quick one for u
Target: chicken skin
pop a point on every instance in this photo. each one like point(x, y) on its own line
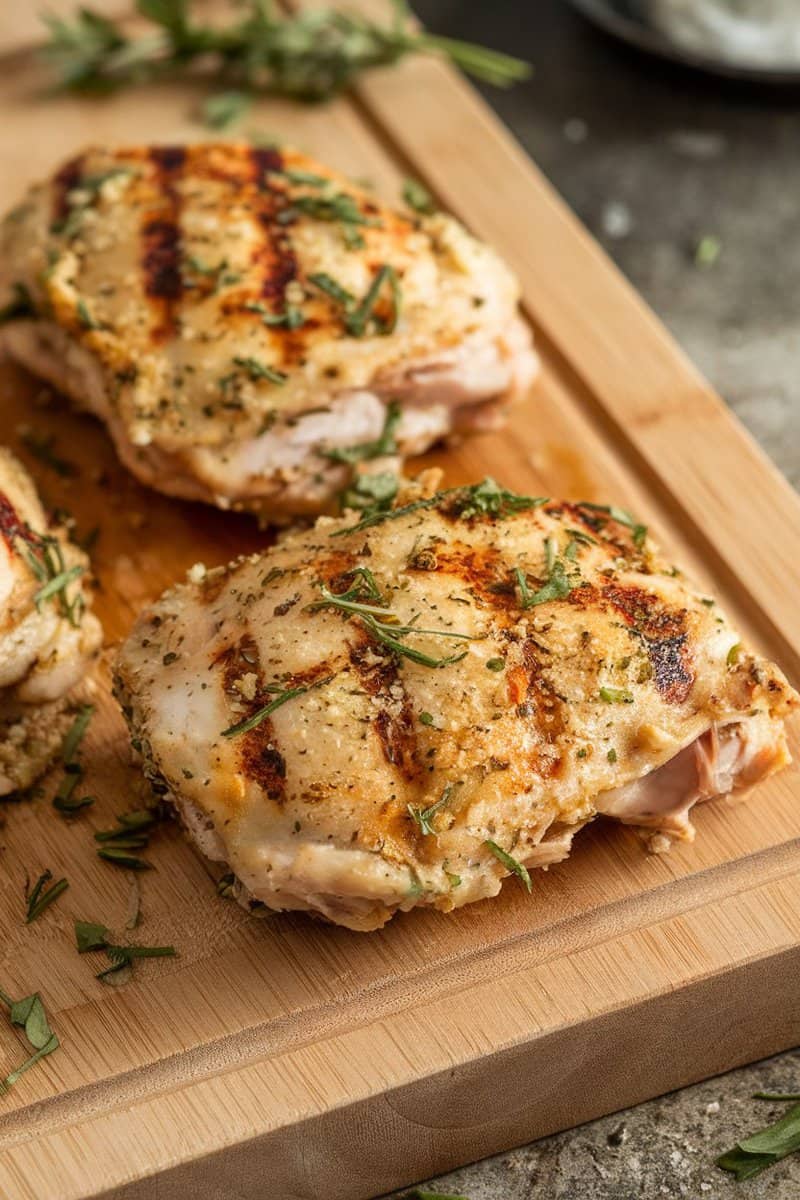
point(48, 638)
point(250, 325)
point(401, 708)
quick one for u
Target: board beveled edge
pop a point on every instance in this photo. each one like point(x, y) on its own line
point(398, 1099)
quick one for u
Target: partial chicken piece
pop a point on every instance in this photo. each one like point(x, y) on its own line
point(48, 638)
point(401, 709)
point(250, 325)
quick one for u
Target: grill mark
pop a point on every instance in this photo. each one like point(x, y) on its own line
point(275, 257)
point(394, 727)
point(260, 756)
point(665, 637)
point(65, 181)
point(535, 699)
point(161, 241)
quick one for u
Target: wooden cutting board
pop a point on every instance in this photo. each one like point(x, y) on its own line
point(282, 1058)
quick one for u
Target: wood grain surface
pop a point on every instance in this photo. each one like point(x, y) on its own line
point(282, 1058)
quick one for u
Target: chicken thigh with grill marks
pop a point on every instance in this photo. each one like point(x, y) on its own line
point(48, 638)
point(401, 709)
point(249, 324)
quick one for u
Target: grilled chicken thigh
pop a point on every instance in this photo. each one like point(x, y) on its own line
point(47, 636)
point(249, 324)
point(400, 709)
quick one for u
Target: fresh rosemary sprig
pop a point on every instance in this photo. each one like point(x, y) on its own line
point(309, 55)
point(364, 601)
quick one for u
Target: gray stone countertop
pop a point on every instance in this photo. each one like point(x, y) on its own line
point(692, 185)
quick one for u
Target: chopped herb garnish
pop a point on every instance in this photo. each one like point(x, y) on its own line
point(225, 108)
point(707, 251)
point(84, 316)
point(622, 517)
point(30, 1016)
point(360, 317)
point(371, 493)
point(258, 370)
point(612, 755)
point(57, 584)
point(423, 817)
point(556, 587)
point(338, 206)
point(754, 1154)
point(225, 885)
point(733, 654)
point(496, 664)
point(510, 863)
point(486, 498)
point(326, 283)
point(489, 499)
point(417, 196)
point(76, 733)
point(41, 446)
point(122, 957)
point(119, 856)
point(41, 897)
point(20, 305)
point(381, 446)
point(292, 317)
point(613, 695)
point(308, 177)
point(425, 718)
point(131, 833)
point(45, 557)
point(90, 936)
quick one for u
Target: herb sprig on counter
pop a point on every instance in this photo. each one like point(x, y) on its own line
point(754, 1154)
point(308, 55)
